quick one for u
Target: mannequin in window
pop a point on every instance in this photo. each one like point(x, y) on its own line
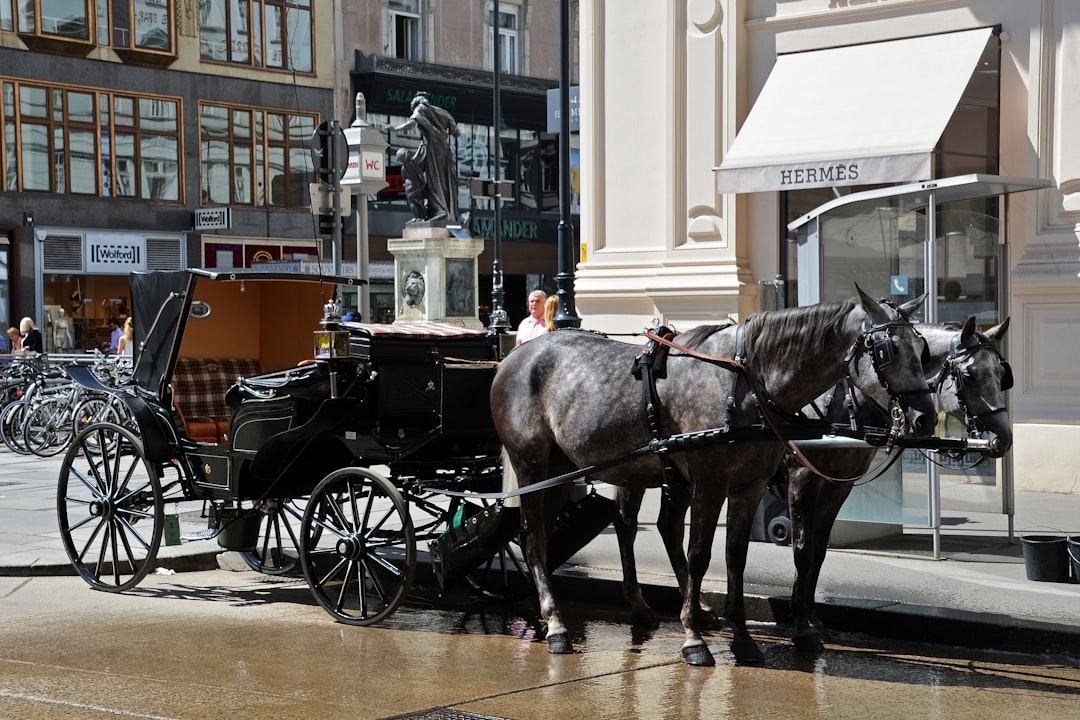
point(63, 338)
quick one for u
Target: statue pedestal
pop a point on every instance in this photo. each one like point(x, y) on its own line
point(435, 276)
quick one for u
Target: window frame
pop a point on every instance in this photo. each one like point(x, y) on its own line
point(250, 45)
point(413, 20)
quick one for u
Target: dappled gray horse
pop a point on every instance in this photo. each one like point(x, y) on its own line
point(568, 400)
point(970, 377)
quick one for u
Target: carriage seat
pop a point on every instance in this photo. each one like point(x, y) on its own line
point(199, 387)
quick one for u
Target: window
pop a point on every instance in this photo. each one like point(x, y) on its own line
point(405, 37)
point(142, 25)
point(272, 34)
point(507, 25)
point(68, 19)
point(78, 141)
point(255, 157)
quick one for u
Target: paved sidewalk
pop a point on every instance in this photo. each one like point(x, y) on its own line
point(977, 595)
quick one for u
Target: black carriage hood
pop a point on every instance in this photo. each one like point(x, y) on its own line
point(160, 302)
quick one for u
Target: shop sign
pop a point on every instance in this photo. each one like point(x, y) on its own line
point(115, 254)
point(402, 96)
point(213, 218)
point(510, 230)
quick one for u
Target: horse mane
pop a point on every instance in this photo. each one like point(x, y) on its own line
point(788, 332)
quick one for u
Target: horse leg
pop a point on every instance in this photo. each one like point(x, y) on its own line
point(626, 527)
point(671, 524)
point(703, 519)
point(536, 522)
point(741, 510)
point(831, 497)
point(803, 503)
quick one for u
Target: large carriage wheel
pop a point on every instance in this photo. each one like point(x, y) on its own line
point(110, 508)
point(278, 549)
point(357, 546)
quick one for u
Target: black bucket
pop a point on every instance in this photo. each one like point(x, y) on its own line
point(1046, 558)
point(1073, 546)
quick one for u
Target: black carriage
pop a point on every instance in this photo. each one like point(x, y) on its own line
point(336, 446)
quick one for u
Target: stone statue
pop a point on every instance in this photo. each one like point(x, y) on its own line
point(431, 168)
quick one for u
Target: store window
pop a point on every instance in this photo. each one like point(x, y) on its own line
point(507, 27)
point(406, 39)
point(252, 156)
point(969, 144)
point(79, 141)
point(271, 34)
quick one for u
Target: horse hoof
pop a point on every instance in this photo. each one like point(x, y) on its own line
point(747, 652)
point(698, 656)
point(808, 643)
point(560, 644)
point(644, 620)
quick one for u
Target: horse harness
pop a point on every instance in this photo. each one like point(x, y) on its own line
point(651, 363)
point(951, 368)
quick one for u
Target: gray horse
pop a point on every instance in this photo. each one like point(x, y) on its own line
point(568, 400)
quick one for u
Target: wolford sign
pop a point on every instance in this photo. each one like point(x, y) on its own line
point(115, 254)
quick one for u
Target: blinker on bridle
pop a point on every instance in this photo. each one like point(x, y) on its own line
point(882, 351)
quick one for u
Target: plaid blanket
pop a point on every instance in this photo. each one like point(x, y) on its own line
point(199, 385)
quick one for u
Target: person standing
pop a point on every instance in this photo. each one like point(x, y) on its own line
point(31, 336)
point(126, 346)
point(533, 326)
point(14, 339)
point(115, 335)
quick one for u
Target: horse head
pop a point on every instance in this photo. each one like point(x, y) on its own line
point(971, 381)
point(889, 354)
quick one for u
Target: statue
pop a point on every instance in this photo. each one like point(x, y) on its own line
point(431, 169)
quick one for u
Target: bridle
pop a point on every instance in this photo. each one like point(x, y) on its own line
point(952, 366)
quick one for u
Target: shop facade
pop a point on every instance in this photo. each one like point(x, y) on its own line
point(992, 99)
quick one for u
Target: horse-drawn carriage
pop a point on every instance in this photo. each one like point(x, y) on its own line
point(341, 454)
point(313, 444)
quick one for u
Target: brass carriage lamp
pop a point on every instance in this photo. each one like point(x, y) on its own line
point(331, 344)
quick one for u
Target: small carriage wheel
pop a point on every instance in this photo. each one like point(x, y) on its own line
point(779, 530)
point(505, 575)
point(357, 546)
point(109, 507)
point(278, 549)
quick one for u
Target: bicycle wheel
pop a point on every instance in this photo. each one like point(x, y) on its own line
point(357, 546)
point(95, 410)
point(110, 508)
point(11, 422)
point(47, 428)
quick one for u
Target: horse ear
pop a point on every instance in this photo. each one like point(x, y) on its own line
point(998, 331)
point(877, 312)
point(911, 306)
point(968, 333)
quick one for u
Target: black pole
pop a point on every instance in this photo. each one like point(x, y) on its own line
point(567, 315)
point(498, 322)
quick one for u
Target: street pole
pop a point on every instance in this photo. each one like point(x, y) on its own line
point(498, 322)
point(335, 181)
point(567, 315)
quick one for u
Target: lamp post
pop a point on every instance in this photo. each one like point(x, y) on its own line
point(567, 314)
point(499, 322)
point(366, 173)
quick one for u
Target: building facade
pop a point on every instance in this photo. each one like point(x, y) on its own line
point(123, 119)
point(672, 91)
point(392, 49)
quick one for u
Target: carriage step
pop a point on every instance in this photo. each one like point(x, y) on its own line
point(205, 534)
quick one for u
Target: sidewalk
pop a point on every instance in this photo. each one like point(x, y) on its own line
point(977, 595)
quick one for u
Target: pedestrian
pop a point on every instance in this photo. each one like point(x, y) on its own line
point(551, 309)
point(126, 345)
point(533, 325)
point(114, 337)
point(14, 339)
point(31, 336)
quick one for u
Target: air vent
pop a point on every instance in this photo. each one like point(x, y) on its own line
point(164, 254)
point(63, 253)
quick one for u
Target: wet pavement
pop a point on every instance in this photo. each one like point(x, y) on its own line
point(977, 597)
point(218, 644)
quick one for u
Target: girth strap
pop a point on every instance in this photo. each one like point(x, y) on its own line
point(651, 363)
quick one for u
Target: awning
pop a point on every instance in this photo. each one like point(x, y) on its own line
point(854, 115)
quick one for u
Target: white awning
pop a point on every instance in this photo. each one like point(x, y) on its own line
point(854, 115)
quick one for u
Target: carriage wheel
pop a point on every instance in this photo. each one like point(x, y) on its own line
point(110, 508)
point(357, 546)
point(278, 549)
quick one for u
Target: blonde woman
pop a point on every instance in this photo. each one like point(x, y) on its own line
point(125, 347)
point(551, 309)
point(31, 336)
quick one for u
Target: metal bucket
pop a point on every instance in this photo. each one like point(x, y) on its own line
point(1046, 557)
point(239, 529)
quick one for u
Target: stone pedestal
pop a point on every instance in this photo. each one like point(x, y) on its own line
point(435, 276)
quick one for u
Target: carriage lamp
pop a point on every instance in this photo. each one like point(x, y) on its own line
point(331, 344)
